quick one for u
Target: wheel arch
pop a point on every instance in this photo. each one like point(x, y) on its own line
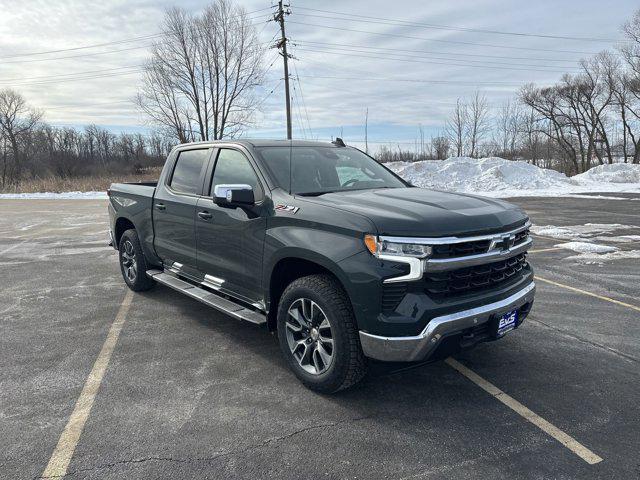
point(291, 267)
point(121, 225)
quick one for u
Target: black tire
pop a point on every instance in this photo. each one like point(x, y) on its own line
point(133, 265)
point(348, 364)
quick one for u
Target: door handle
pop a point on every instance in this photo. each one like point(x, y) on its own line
point(205, 215)
point(160, 206)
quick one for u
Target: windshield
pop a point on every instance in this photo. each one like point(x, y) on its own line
point(318, 170)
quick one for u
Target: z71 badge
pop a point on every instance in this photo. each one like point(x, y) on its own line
point(287, 208)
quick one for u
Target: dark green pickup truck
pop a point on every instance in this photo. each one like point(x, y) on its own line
point(318, 241)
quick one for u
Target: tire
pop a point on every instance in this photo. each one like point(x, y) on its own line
point(325, 358)
point(133, 265)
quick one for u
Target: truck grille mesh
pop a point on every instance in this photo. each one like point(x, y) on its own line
point(462, 249)
point(468, 279)
point(451, 250)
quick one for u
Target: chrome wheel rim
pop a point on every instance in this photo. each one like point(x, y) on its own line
point(309, 336)
point(129, 264)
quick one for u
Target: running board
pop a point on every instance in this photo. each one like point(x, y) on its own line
point(216, 301)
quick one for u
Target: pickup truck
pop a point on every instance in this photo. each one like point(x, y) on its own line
point(322, 244)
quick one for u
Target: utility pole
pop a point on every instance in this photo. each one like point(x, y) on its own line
point(282, 45)
point(366, 133)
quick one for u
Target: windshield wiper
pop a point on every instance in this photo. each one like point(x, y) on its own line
point(314, 194)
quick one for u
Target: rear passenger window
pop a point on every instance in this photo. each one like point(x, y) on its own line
point(187, 174)
point(232, 167)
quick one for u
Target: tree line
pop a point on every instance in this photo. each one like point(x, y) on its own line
point(201, 79)
point(30, 148)
point(586, 119)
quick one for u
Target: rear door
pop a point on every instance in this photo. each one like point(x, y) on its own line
point(174, 209)
point(230, 240)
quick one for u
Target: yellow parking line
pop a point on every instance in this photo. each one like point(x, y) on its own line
point(548, 428)
point(584, 292)
point(545, 250)
point(561, 240)
point(59, 461)
point(12, 247)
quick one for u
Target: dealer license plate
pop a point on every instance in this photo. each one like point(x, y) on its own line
point(507, 322)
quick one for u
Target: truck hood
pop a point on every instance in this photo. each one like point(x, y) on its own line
point(418, 212)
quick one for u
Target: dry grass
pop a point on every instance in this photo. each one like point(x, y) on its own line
point(80, 184)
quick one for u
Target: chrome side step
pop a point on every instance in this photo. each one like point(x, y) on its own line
point(216, 301)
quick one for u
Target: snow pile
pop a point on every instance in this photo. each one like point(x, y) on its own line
point(54, 196)
point(497, 177)
point(615, 173)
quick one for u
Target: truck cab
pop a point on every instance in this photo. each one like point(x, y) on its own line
point(346, 261)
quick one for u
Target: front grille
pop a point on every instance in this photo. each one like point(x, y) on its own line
point(392, 295)
point(473, 247)
point(521, 237)
point(461, 249)
point(465, 280)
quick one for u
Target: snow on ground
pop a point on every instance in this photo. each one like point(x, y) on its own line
point(597, 258)
point(50, 195)
point(499, 178)
point(587, 230)
point(587, 241)
point(586, 247)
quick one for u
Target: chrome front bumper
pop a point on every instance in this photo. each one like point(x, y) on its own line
point(420, 347)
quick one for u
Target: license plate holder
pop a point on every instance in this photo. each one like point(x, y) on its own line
point(505, 323)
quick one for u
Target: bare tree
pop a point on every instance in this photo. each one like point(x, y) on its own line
point(440, 146)
point(199, 83)
point(478, 123)
point(17, 120)
point(457, 127)
point(507, 129)
point(626, 88)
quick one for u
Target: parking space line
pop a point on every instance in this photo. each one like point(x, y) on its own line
point(12, 247)
point(548, 428)
point(584, 292)
point(552, 249)
point(561, 240)
point(59, 461)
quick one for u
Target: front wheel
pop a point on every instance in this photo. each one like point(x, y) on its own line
point(133, 265)
point(318, 334)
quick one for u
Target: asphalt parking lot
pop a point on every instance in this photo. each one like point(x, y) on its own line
point(190, 393)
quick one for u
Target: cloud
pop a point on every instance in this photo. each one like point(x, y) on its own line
point(405, 74)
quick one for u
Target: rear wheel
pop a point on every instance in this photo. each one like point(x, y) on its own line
point(133, 265)
point(318, 335)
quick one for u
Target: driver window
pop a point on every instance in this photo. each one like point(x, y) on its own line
point(232, 167)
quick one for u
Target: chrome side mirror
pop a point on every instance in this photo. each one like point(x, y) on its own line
point(233, 194)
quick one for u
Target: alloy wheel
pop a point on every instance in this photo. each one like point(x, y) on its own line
point(129, 261)
point(309, 336)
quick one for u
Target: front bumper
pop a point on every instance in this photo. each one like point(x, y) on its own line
point(421, 347)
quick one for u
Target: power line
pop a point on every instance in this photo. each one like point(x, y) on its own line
point(62, 75)
point(91, 77)
point(96, 45)
point(414, 80)
point(397, 35)
point(373, 55)
point(389, 21)
point(304, 105)
point(502, 57)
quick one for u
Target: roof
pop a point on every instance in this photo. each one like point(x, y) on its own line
point(259, 142)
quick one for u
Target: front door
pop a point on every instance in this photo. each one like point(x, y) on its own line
point(174, 210)
point(230, 240)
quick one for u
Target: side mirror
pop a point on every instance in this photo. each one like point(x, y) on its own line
point(233, 194)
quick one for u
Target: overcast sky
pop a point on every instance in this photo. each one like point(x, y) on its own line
point(405, 74)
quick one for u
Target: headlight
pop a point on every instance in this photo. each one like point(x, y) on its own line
point(380, 246)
